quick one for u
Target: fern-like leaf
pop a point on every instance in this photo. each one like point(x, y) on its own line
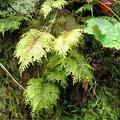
point(84, 8)
point(54, 75)
point(33, 46)
point(4, 13)
point(54, 72)
point(66, 40)
point(59, 68)
point(76, 65)
point(41, 95)
point(11, 23)
point(50, 4)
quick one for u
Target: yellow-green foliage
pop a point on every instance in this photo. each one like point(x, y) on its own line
point(66, 40)
point(11, 22)
point(32, 47)
point(50, 4)
point(62, 57)
point(76, 65)
point(54, 43)
point(85, 7)
point(41, 95)
point(58, 68)
point(54, 72)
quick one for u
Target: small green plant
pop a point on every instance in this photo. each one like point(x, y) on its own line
point(55, 52)
point(62, 59)
point(60, 56)
point(102, 107)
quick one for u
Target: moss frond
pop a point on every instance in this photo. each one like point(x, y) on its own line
point(41, 95)
point(47, 6)
point(33, 46)
point(66, 40)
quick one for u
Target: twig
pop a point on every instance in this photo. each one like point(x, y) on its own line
point(12, 7)
point(11, 76)
point(110, 10)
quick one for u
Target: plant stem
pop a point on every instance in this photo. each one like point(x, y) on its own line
point(110, 10)
point(11, 76)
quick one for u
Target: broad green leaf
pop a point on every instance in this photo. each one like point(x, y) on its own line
point(104, 25)
point(97, 32)
point(106, 40)
point(105, 32)
point(117, 29)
